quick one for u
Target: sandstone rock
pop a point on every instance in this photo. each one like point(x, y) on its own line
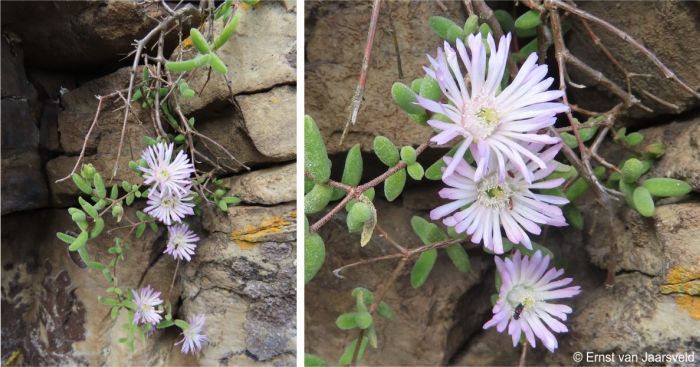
point(268, 186)
point(662, 28)
point(450, 304)
point(55, 297)
point(336, 38)
point(74, 36)
point(261, 55)
point(270, 120)
point(247, 294)
point(682, 157)
point(678, 231)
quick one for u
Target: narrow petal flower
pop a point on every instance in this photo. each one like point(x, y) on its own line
point(146, 299)
point(167, 175)
point(491, 122)
point(171, 207)
point(523, 301)
point(481, 207)
point(193, 337)
point(181, 242)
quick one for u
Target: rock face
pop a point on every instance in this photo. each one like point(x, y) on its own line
point(335, 42)
point(23, 183)
point(245, 281)
point(242, 276)
point(662, 28)
point(682, 158)
point(437, 306)
point(76, 34)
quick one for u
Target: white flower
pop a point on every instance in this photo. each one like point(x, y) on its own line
point(146, 300)
point(524, 299)
point(181, 242)
point(193, 337)
point(169, 207)
point(166, 176)
point(480, 207)
point(492, 122)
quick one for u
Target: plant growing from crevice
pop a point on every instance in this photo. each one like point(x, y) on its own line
point(509, 175)
point(178, 177)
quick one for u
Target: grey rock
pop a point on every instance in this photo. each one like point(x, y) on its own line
point(682, 158)
point(256, 60)
point(270, 121)
point(267, 186)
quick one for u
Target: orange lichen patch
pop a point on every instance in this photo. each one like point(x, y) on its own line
point(692, 288)
point(186, 43)
point(689, 304)
point(680, 274)
point(293, 214)
point(247, 238)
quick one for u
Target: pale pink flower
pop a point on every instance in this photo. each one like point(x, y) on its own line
point(491, 122)
point(171, 207)
point(181, 242)
point(166, 176)
point(524, 300)
point(193, 337)
point(146, 300)
point(480, 207)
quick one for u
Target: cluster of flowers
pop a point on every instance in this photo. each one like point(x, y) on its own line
point(505, 130)
point(170, 200)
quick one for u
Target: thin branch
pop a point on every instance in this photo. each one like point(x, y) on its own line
point(360, 90)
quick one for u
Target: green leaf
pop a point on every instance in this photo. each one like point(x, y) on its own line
point(346, 321)
point(311, 360)
point(430, 89)
point(385, 311)
point(569, 139)
point(485, 29)
point(633, 139)
point(199, 42)
point(346, 358)
point(228, 31)
point(223, 206)
point(165, 324)
point(81, 184)
point(442, 26)
point(96, 265)
point(405, 98)
point(79, 242)
point(428, 232)
point(217, 64)
point(187, 65)
point(316, 161)
point(386, 151)
point(666, 187)
point(632, 169)
point(573, 216)
point(628, 190)
point(416, 84)
point(360, 212)
point(139, 230)
point(422, 268)
point(89, 209)
point(393, 186)
point(505, 20)
point(65, 238)
point(99, 186)
point(578, 188)
point(587, 133)
point(317, 198)
point(529, 20)
point(314, 255)
point(655, 150)
point(408, 154)
point(182, 324)
point(643, 201)
point(115, 312)
point(434, 172)
point(97, 229)
point(363, 319)
point(367, 295)
point(459, 257)
point(114, 192)
point(108, 301)
point(471, 25)
point(352, 171)
point(415, 170)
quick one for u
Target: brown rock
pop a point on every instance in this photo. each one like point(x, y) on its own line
point(682, 158)
point(336, 38)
